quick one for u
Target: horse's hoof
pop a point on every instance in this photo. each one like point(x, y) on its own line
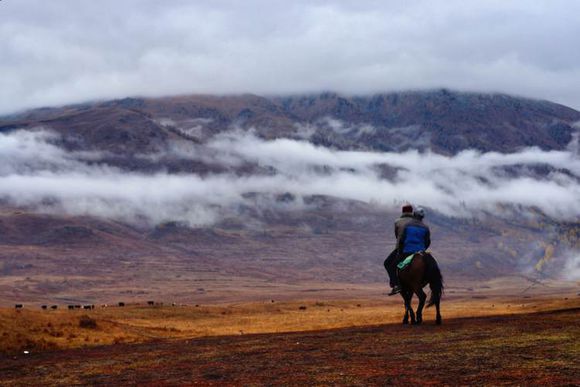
point(438, 322)
point(405, 322)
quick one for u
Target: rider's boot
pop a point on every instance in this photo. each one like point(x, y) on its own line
point(396, 289)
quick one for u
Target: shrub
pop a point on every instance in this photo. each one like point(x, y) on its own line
point(87, 322)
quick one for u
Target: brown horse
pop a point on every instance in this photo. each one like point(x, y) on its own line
point(423, 270)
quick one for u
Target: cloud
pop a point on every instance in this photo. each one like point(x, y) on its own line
point(37, 174)
point(571, 270)
point(70, 51)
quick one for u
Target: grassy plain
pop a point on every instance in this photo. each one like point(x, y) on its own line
point(36, 330)
point(539, 348)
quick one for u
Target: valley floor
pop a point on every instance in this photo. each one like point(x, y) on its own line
point(541, 348)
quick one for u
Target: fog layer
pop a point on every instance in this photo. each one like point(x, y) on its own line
point(37, 174)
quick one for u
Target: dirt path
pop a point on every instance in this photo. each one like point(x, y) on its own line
point(542, 348)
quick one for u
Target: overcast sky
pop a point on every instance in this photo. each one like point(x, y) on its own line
point(65, 51)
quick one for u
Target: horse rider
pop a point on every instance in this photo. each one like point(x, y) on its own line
point(415, 237)
point(393, 258)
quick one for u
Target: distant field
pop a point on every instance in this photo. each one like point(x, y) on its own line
point(521, 349)
point(35, 330)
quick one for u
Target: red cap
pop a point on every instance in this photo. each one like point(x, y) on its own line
point(407, 208)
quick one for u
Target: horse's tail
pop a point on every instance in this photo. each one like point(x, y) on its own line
point(433, 275)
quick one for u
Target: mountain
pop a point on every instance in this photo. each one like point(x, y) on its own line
point(443, 121)
point(276, 242)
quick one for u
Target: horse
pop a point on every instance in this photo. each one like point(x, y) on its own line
point(422, 270)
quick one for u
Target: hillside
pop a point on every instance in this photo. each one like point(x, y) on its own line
point(236, 197)
point(443, 121)
point(47, 258)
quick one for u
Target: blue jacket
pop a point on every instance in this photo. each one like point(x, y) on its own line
point(416, 237)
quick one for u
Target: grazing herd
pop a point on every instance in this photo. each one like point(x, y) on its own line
point(45, 307)
point(91, 306)
point(86, 307)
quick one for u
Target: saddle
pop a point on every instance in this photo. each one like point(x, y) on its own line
point(407, 261)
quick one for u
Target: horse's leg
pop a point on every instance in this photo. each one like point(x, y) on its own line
point(408, 310)
point(422, 297)
point(406, 318)
point(410, 307)
point(438, 316)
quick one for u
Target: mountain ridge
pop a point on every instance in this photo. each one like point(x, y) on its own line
point(443, 121)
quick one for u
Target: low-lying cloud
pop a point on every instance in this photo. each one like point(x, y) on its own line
point(37, 174)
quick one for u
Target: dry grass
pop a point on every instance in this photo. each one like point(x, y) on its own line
point(520, 349)
point(36, 330)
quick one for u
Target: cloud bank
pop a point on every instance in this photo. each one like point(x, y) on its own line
point(572, 266)
point(57, 52)
point(37, 174)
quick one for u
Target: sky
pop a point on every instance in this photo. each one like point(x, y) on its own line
point(68, 51)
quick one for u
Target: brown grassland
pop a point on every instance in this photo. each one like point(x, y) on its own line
point(509, 348)
point(523, 339)
point(36, 330)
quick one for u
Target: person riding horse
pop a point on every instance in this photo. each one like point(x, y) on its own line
point(412, 236)
point(392, 260)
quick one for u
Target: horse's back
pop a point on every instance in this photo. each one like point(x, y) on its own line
point(414, 273)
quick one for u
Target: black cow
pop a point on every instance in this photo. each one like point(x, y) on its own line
point(150, 302)
point(44, 307)
point(18, 306)
point(54, 307)
point(71, 307)
point(121, 304)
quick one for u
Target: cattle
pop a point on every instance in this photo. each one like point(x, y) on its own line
point(77, 306)
point(150, 302)
point(71, 307)
point(87, 307)
point(18, 306)
point(54, 307)
point(44, 307)
point(121, 304)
